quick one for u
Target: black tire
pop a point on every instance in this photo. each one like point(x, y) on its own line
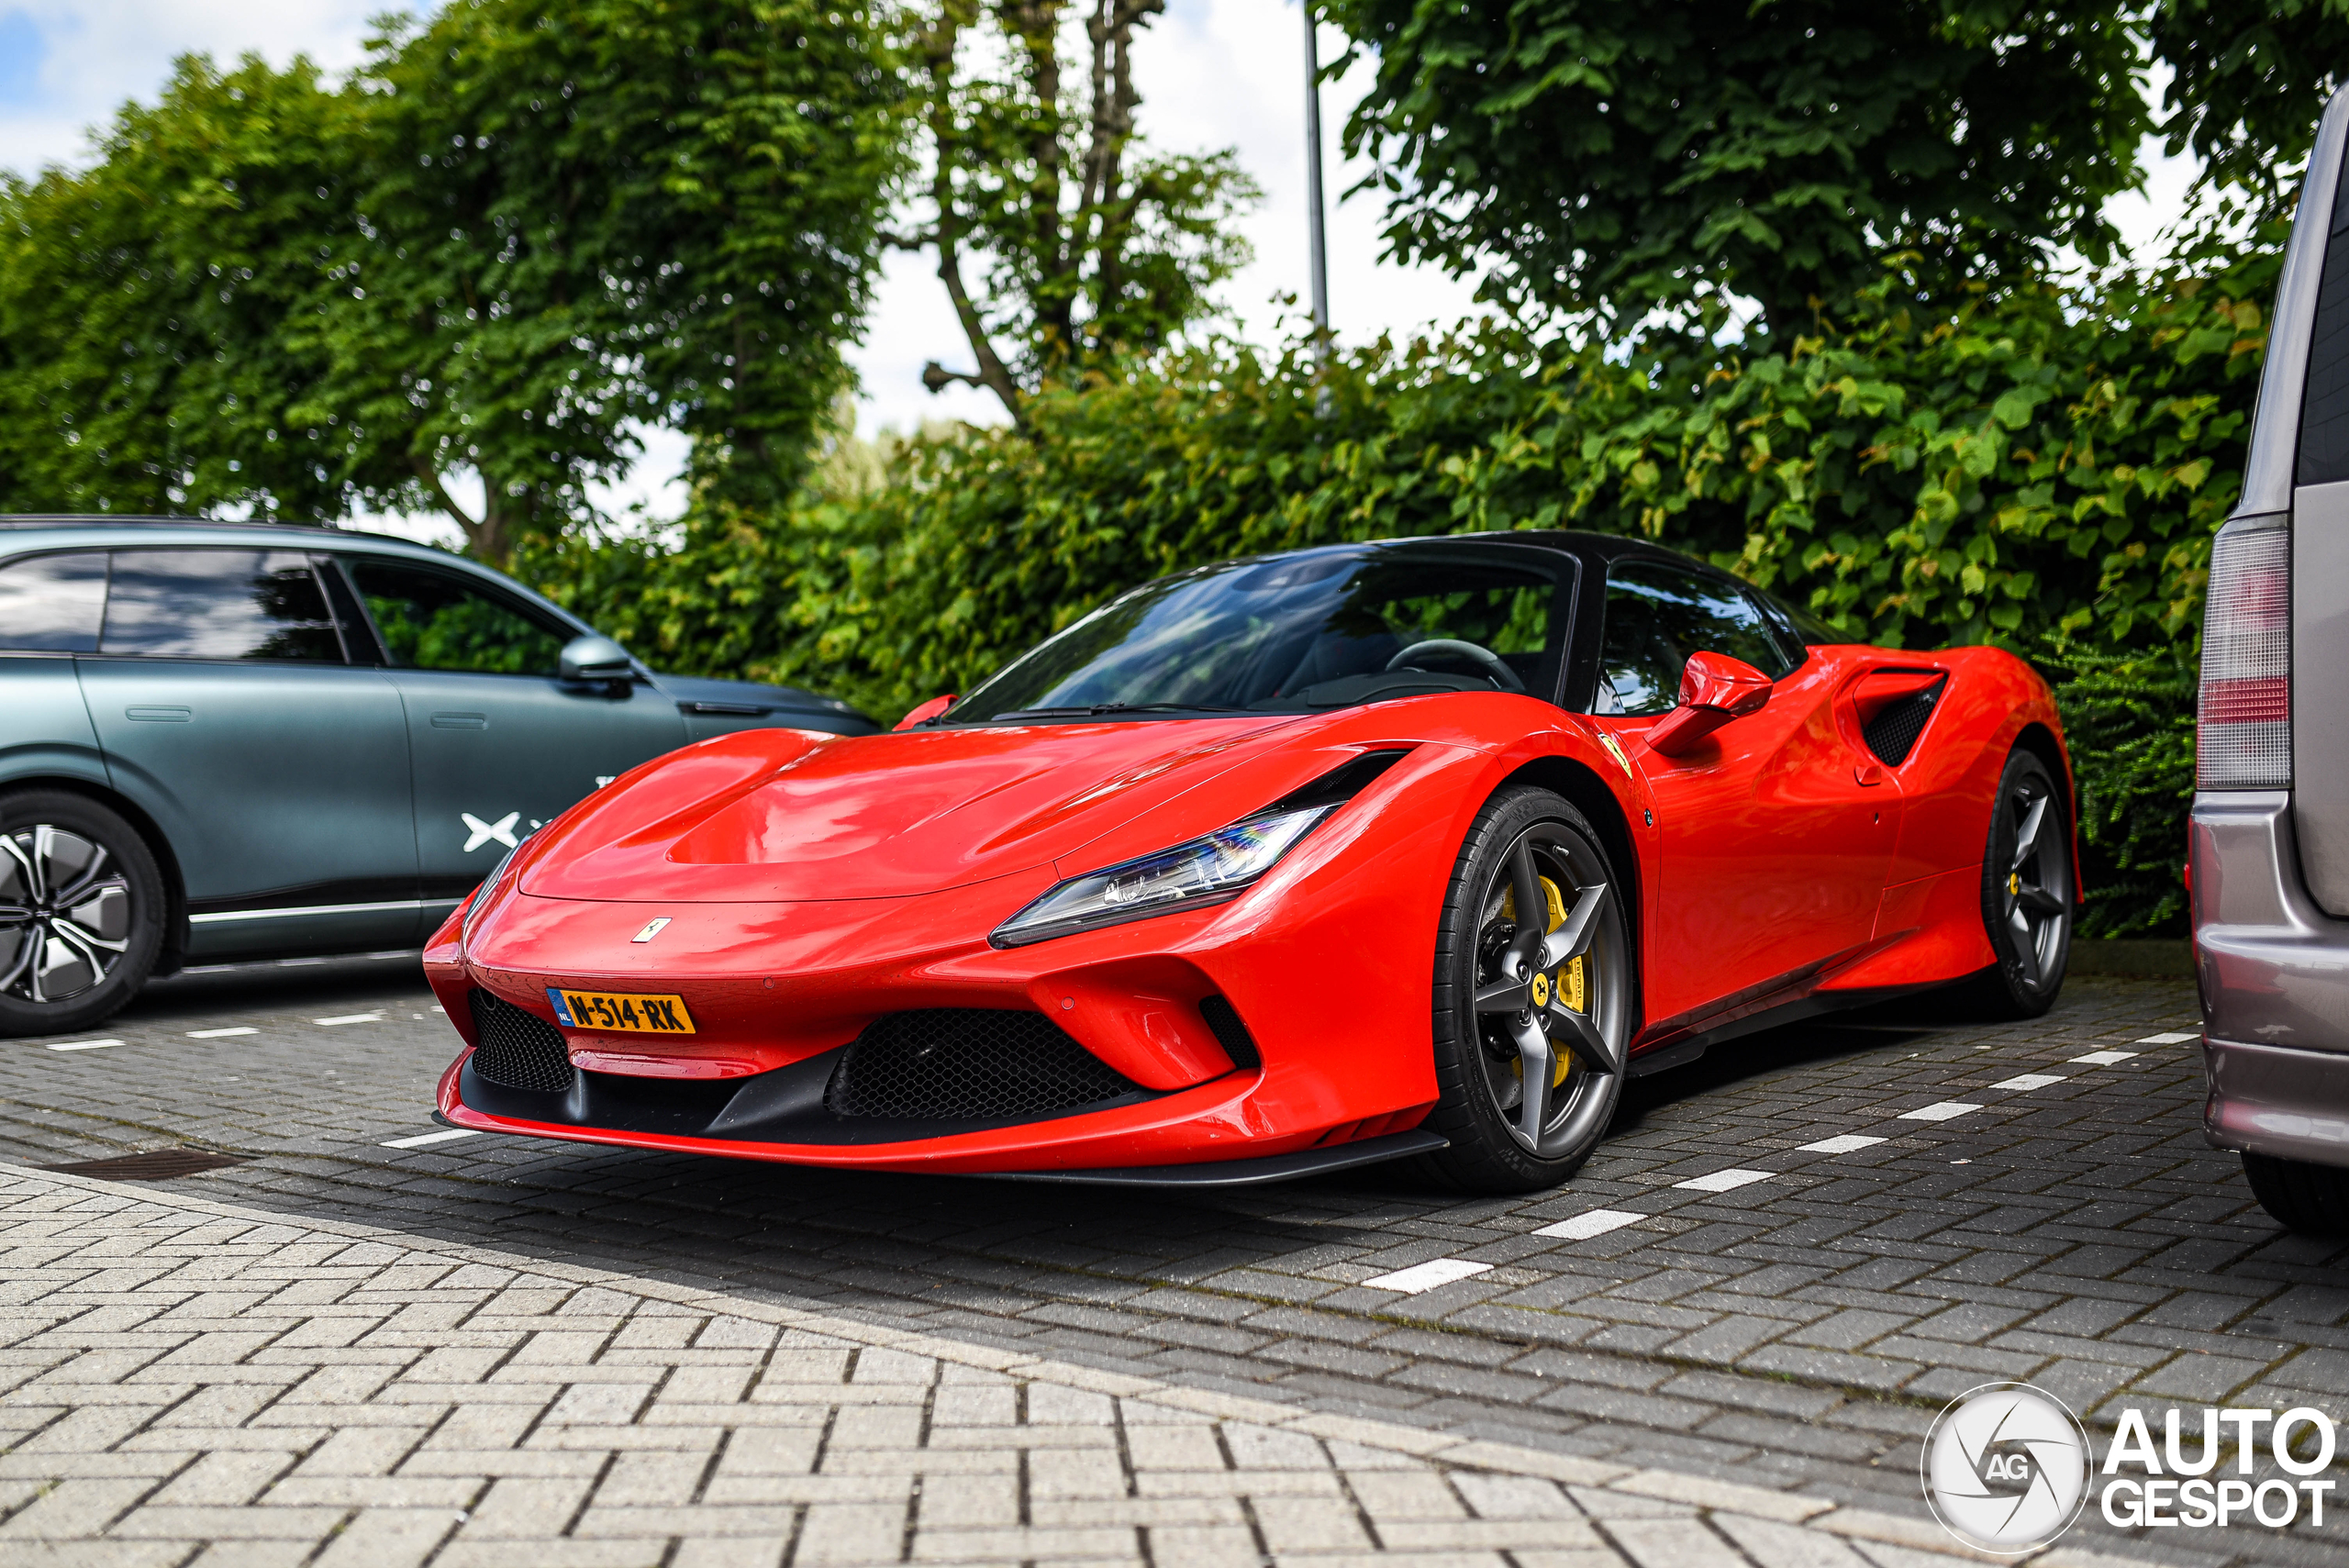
point(2313, 1200)
point(2027, 892)
point(82, 912)
point(1481, 1055)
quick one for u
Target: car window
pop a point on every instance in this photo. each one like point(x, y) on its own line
point(437, 620)
point(218, 604)
point(1326, 629)
point(1658, 614)
point(54, 604)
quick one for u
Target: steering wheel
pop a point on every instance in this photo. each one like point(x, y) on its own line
point(1503, 676)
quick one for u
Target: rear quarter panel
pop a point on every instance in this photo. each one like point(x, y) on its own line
point(45, 730)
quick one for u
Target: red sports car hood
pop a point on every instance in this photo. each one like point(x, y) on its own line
point(787, 815)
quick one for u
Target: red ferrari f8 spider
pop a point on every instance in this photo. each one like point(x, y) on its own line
point(1276, 866)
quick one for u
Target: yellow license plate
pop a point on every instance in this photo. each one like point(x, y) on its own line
point(618, 1013)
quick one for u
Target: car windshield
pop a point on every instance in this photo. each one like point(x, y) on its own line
point(1320, 629)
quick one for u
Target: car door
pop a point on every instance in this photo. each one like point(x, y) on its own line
point(228, 709)
point(1776, 834)
point(499, 743)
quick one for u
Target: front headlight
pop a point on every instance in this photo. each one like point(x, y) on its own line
point(1213, 869)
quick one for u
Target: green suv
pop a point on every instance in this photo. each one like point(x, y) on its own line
point(224, 741)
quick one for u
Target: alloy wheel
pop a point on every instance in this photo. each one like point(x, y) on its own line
point(2035, 906)
point(65, 914)
point(1551, 1014)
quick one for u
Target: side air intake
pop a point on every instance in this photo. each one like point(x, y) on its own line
point(517, 1049)
point(969, 1064)
point(1894, 710)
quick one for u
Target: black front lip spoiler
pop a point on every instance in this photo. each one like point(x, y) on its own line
point(1245, 1172)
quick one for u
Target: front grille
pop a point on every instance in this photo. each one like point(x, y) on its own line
point(517, 1049)
point(1893, 732)
point(968, 1064)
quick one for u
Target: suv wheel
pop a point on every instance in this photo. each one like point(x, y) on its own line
point(80, 912)
point(2311, 1199)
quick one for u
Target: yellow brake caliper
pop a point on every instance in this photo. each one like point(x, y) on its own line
point(1569, 981)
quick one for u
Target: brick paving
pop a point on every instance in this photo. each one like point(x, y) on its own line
point(189, 1381)
point(1796, 1329)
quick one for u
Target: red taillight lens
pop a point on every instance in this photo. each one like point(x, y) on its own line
point(2243, 725)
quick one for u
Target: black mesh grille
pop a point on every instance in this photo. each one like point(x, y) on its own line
point(1229, 1032)
point(968, 1064)
point(519, 1048)
point(1892, 733)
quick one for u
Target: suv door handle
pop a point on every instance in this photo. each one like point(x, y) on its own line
point(460, 721)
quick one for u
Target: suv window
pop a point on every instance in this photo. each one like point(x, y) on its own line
point(1657, 615)
point(437, 620)
point(218, 604)
point(54, 604)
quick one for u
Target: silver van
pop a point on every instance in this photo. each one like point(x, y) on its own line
point(2269, 857)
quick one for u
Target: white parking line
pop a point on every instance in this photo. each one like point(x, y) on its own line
point(81, 1044)
point(221, 1034)
point(349, 1019)
point(1727, 1181)
point(2027, 1081)
point(1941, 1110)
point(1841, 1143)
point(2171, 1039)
point(1595, 1222)
point(2102, 1058)
point(421, 1139)
point(1427, 1276)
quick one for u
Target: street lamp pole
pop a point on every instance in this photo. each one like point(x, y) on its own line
point(1321, 245)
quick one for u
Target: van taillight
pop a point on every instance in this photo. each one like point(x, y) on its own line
point(2243, 723)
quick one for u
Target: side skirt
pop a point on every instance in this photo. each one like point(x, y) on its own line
point(1682, 1051)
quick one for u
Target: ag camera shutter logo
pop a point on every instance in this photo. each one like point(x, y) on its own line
point(2005, 1468)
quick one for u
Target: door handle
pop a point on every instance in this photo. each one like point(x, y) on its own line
point(1866, 773)
point(160, 714)
point(460, 721)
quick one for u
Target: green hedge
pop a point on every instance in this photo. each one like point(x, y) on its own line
point(2043, 470)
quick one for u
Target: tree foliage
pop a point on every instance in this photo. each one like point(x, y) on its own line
point(520, 231)
point(1600, 159)
point(1067, 247)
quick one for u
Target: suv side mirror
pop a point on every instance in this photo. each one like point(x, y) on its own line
point(1714, 689)
point(925, 712)
point(594, 658)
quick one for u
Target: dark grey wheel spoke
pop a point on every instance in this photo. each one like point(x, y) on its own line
point(1532, 907)
point(16, 869)
point(2027, 833)
point(1503, 995)
point(1536, 1062)
point(1591, 1049)
point(1572, 939)
point(2026, 944)
point(17, 947)
point(2039, 901)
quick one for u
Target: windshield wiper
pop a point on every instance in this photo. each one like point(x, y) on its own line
point(1105, 709)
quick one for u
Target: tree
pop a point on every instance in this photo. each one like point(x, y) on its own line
point(159, 313)
point(1086, 250)
point(2247, 83)
point(520, 230)
point(612, 212)
point(1602, 158)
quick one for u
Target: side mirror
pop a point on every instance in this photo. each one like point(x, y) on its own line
point(925, 712)
point(594, 658)
point(1714, 689)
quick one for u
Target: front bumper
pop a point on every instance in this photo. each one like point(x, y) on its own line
point(2274, 973)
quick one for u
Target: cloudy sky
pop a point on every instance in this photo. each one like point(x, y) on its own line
point(1213, 73)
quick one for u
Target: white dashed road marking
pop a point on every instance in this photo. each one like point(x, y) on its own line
point(1597, 1222)
point(2101, 1058)
point(1941, 1110)
point(349, 1019)
point(1841, 1143)
point(2026, 1081)
point(81, 1044)
point(1727, 1181)
point(2172, 1038)
point(221, 1034)
point(418, 1142)
point(1427, 1276)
